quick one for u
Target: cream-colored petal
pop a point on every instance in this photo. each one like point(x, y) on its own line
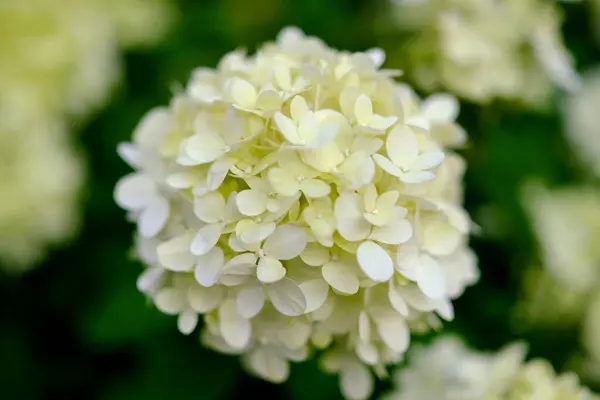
point(375, 262)
point(340, 277)
point(270, 270)
point(209, 267)
point(402, 147)
point(286, 242)
point(252, 202)
point(287, 297)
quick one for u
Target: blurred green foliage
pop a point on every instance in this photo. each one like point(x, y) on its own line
point(78, 328)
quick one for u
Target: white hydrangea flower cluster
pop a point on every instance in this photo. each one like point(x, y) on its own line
point(139, 23)
point(300, 199)
point(448, 370)
point(63, 55)
point(484, 50)
point(58, 62)
point(40, 177)
point(581, 121)
point(540, 288)
point(567, 224)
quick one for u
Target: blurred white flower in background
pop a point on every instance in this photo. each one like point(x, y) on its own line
point(138, 23)
point(540, 288)
point(300, 199)
point(63, 55)
point(448, 370)
point(566, 223)
point(581, 121)
point(483, 50)
point(57, 56)
point(59, 61)
point(40, 177)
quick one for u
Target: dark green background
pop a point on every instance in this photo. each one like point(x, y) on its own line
point(78, 328)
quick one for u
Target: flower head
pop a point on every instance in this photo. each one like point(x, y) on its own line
point(486, 50)
point(581, 119)
point(566, 223)
point(570, 257)
point(448, 370)
point(40, 178)
point(297, 199)
point(63, 55)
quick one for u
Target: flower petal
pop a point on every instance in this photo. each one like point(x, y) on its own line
point(270, 270)
point(445, 309)
point(363, 110)
point(235, 329)
point(153, 126)
point(154, 217)
point(175, 255)
point(182, 180)
point(440, 238)
point(217, 173)
point(440, 108)
point(298, 107)
point(417, 177)
point(170, 300)
point(210, 208)
point(315, 291)
point(287, 128)
point(250, 301)
point(187, 321)
point(416, 298)
point(382, 123)
point(269, 365)
point(236, 244)
point(387, 165)
point(239, 269)
point(402, 147)
point(129, 153)
point(243, 93)
point(134, 191)
point(204, 299)
point(249, 231)
point(428, 160)
point(377, 56)
point(151, 279)
point(396, 232)
point(315, 255)
point(370, 198)
point(287, 297)
point(375, 261)
point(324, 135)
point(251, 202)
point(367, 352)
point(209, 267)
point(206, 238)
point(431, 277)
point(387, 200)
point(396, 300)
point(356, 382)
point(395, 333)
point(407, 259)
point(340, 277)
point(315, 188)
point(286, 242)
point(348, 212)
point(204, 147)
point(268, 100)
point(283, 181)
